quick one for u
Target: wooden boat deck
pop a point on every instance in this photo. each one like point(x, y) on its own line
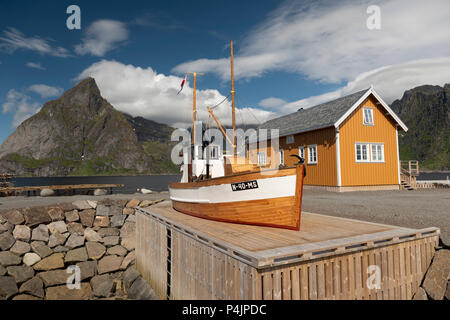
point(319, 236)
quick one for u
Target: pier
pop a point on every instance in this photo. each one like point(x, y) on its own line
point(65, 189)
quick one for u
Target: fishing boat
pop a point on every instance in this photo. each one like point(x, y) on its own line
point(215, 188)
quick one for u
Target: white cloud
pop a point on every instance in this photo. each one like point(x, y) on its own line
point(21, 105)
point(272, 102)
point(102, 36)
point(13, 40)
point(143, 92)
point(35, 65)
point(329, 41)
point(45, 91)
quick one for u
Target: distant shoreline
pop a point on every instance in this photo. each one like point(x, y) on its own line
point(102, 175)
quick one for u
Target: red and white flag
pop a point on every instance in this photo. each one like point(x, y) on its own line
point(182, 84)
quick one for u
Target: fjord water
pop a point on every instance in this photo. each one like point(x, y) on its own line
point(132, 183)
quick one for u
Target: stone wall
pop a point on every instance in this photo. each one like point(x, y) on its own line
point(42, 249)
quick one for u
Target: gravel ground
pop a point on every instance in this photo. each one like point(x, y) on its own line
point(411, 209)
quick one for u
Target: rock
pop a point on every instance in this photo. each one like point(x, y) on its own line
point(133, 203)
point(115, 210)
point(128, 211)
point(435, 283)
point(95, 250)
point(25, 297)
point(67, 207)
point(14, 217)
point(2, 270)
point(57, 227)
point(20, 248)
point(47, 193)
point(145, 203)
point(92, 203)
point(82, 204)
point(102, 210)
point(88, 269)
point(56, 213)
point(54, 277)
point(131, 218)
point(72, 216)
point(129, 276)
point(57, 239)
point(91, 235)
point(141, 290)
point(129, 242)
point(111, 241)
point(9, 259)
point(75, 241)
point(30, 259)
point(34, 286)
point(21, 273)
point(6, 241)
point(40, 233)
point(55, 261)
point(109, 264)
point(117, 250)
point(128, 229)
point(146, 191)
point(87, 217)
point(8, 226)
point(41, 249)
point(102, 285)
point(420, 294)
point(64, 293)
point(3, 228)
point(129, 260)
point(101, 221)
point(118, 220)
point(36, 216)
point(22, 233)
point(107, 232)
point(8, 287)
point(75, 228)
point(100, 192)
point(60, 249)
point(76, 255)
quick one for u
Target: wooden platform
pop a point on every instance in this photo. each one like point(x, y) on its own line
point(68, 189)
point(185, 257)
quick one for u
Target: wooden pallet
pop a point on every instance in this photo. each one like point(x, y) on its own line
point(327, 259)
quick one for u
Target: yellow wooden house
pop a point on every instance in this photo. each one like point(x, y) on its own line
point(350, 143)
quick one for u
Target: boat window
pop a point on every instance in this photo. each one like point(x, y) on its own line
point(261, 158)
point(282, 157)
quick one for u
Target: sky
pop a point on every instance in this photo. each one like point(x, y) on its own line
point(288, 54)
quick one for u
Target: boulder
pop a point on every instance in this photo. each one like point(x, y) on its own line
point(8, 287)
point(41, 249)
point(91, 235)
point(88, 269)
point(40, 233)
point(141, 290)
point(76, 255)
point(145, 203)
point(64, 293)
point(75, 241)
point(34, 287)
point(95, 250)
point(115, 210)
point(435, 283)
point(128, 229)
point(25, 297)
point(67, 206)
point(57, 239)
point(3, 228)
point(57, 227)
point(129, 260)
point(117, 250)
point(54, 277)
point(129, 276)
point(8, 226)
point(87, 217)
point(109, 264)
point(55, 261)
point(420, 294)
point(82, 205)
point(31, 258)
point(75, 228)
point(118, 220)
point(36, 216)
point(6, 241)
point(102, 285)
point(47, 193)
point(107, 232)
point(101, 221)
point(102, 210)
point(14, 217)
point(92, 203)
point(129, 242)
point(22, 233)
point(133, 203)
point(111, 241)
point(128, 211)
point(9, 259)
point(2, 270)
point(146, 191)
point(60, 249)
point(20, 273)
point(72, 216)
point(56, 213)
point(100, 192)
point(20, 248)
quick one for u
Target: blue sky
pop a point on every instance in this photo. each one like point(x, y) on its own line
point(289, 54)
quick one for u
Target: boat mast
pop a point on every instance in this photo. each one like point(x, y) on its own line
point(194, 117)
point(232, 103)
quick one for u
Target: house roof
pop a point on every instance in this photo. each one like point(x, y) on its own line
point(324, 115)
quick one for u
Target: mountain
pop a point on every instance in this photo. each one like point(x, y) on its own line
point(81, 133)
point(425, 111)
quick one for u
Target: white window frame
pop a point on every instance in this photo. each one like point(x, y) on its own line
point(368, 154)
point(375, 145)
point(369, 147)
point(371, 116)
point(281, 153)
point(261, 156)
point(310, 160)
point(290, 139)
point(301, 153)
point(211, 151)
